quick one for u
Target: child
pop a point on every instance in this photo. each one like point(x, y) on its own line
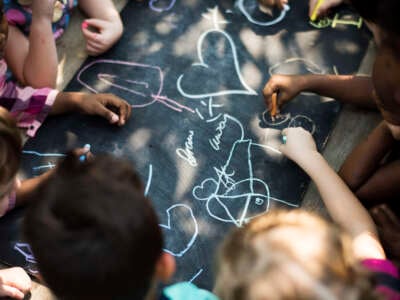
point(30, 107)
point(96, 236)
point(35, 24)
point(296, 255)
point(369, 171)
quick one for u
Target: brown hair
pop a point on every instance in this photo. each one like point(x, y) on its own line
point(10, 147)
point(93, 232)
point(290, 255)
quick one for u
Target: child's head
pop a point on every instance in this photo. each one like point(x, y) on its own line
point(386, 73)
point(10, 153)
point(289, 255)
point(93, 232)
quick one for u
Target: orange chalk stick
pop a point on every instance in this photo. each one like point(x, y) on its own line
point(274, 108)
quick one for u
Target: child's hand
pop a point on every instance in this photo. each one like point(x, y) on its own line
point(108, 33)
point(270, 3)
point(287, 87)
point(324, 8)
point(43, 9)
point(299, 145)
point(101, 104)
point(14, 283)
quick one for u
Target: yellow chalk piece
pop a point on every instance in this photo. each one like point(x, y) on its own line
point(315, 11)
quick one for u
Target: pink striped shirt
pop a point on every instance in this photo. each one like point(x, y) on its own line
point(29, 106)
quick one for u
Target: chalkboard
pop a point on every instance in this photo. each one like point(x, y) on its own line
point(199, 135)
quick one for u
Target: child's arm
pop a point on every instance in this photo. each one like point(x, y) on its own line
point(106, 20)
point(93, 104)
point(14, 283)
point(34, 61)
point(343, 206)
point(347, 88)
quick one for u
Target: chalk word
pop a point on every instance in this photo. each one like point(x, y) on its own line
point(326, 22)
point(26, 251)
point(149, 97)
point(149, 178)
point(169, 227)
point(241, 5)
point(187, 153)
point(161, 9)
point(216, 140)
point(297, 121)
point(245, 89)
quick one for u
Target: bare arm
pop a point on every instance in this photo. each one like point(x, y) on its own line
point(30, 185)
point(351, 89)
point(343, 206)
point(34, 60)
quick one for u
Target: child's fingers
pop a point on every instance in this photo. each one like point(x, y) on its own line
point(123, 107)
point(92, 50)
point(96, 23)
point(12, 292)
point(268, 91)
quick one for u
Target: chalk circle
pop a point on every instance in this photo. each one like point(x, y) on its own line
point(159, 8)
point(279, 119)
point(304, 122)
point(259, 201)
point(250, 18)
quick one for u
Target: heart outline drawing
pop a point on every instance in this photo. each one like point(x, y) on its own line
point(169, 227)
point(247, 91)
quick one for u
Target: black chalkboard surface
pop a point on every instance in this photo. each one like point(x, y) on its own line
point(199, 135)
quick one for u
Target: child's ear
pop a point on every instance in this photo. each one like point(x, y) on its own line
point(165, 267)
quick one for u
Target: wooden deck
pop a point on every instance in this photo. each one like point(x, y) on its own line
point(352, 126)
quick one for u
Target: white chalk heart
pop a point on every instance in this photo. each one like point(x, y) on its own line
point(244, 89)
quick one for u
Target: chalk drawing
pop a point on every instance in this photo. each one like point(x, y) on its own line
point(212, 15)
point(337, 20)
point(148, 96)
point(149, 178)
point(303, 121)
point(26, 251)
point(43, 167)
point(230, 199)
point(215, 142)
point(297, 121)
point(250, 18)
point(43, 154)
point(187, 153)
point(310, 66)
point(152, 5)
point(196, 275)
point(169, 226)
point(246, 90)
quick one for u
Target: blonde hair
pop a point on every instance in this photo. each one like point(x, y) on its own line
point(10, 147)
point(290, 255)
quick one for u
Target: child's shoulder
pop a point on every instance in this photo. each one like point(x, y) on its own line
point(186, 291)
